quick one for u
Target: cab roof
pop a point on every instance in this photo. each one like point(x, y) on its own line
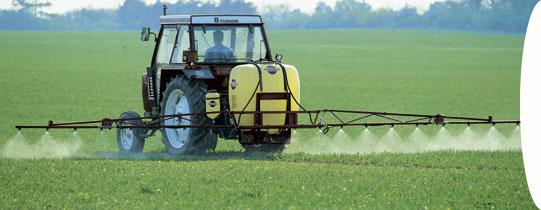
point(211, 19)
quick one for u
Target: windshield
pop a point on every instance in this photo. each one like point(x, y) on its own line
point(229, 44)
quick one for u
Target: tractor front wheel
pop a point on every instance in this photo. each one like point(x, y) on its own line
point(130, 140)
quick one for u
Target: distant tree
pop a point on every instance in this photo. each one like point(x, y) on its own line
point(28, 16)
point(133, 14)
point(404, 18)
point(236, 7)
point(322, 17)
point(481, 15)
point(30, 6)
point(281, 16)
point(89, 20)
point(351, 13)
point(474, 5)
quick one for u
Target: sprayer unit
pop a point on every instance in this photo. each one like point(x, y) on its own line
point(214, 76)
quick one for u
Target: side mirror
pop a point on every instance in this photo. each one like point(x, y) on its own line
point(145, 34)
point(189, 56)
point(278, 58)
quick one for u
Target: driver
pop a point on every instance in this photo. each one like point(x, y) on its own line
point(218, 53)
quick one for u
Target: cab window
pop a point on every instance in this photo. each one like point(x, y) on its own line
point(229, 44)
point(174, 41)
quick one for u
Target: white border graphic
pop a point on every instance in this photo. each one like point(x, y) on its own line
point(530, 105)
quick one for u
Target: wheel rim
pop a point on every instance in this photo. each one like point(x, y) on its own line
point(177, 103)
point(126, 138)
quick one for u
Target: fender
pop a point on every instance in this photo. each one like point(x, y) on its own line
point(166, 73)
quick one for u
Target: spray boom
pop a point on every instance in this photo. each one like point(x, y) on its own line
point(319, 119)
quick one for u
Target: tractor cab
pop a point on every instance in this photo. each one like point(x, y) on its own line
point(209, 40)
point(204, 47)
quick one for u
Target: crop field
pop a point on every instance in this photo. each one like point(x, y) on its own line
point(70, 76)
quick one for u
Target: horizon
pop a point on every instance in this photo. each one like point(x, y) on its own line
point(64, 6)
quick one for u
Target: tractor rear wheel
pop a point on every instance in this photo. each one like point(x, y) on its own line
point(130, 140)
point(184, 96)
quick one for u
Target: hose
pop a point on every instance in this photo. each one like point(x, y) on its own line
point(260, 85)
point(288, 90)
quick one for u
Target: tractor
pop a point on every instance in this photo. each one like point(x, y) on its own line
point(218, 65)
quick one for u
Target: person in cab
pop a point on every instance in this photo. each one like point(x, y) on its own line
point(219, 52)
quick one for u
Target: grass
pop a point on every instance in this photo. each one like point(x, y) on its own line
point(291, 181)
point(69, 76)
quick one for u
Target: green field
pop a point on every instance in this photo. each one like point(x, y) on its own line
point(68, 76)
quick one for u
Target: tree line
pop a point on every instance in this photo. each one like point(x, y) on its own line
point(509, 16)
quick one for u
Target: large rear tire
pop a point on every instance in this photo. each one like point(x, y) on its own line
point(130, 140)
point(184, 96)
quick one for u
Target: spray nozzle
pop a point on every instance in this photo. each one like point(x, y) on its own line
point(326, 130)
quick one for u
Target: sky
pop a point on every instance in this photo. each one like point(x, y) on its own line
point(308, 6)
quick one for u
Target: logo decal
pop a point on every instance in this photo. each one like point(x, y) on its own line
point(233, 84)
point(271, 69)
point(218, 20)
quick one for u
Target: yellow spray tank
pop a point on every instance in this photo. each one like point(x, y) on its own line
point(244, 86)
